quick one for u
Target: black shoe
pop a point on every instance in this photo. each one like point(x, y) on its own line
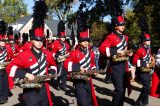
point(10, 93)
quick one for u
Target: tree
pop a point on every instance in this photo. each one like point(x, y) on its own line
point(98, 29)
point(59, 8)
point(149, 9)
point(132, 28)
point(11, 10)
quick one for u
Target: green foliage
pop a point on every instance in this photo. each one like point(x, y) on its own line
point(59, 8)
point(151, 10)
point(98, 29)
point(132, 29)
point(12, 10)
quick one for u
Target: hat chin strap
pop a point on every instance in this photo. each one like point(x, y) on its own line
point(36, 49)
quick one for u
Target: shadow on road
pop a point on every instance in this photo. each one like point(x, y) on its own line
point(21, 101)
point(70, 91)
point(60, 101)
point(136, 88)
point(108, 92)
point(99, 79)
point(103, 90)
point(129, 101)
point(102, 101)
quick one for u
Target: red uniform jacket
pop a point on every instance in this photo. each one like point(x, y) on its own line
point(141, 57)
point(57, 48)
point(27, 61)
point(15, 48)
point(85, 59)
point(26, 46)
point(77, 59)
point(112, 43)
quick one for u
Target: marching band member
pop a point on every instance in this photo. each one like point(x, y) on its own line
point(35, 61)
point(60, 48)
point(82, 59)
point(5, 56)
point(115, 47)
point(116, 43)
point(13, 45)
point(142, 60)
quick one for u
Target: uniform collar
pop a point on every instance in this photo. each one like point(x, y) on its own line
point(118, 34)
point(36, 54)
point(84, 50)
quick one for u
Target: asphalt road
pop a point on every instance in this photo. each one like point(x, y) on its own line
point(104, 94)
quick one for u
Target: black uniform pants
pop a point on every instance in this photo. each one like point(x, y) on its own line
point(36, 97)
point(118, 76)
point(4, 87)
point(83, 93)
point(63, 76)
point(145, 80)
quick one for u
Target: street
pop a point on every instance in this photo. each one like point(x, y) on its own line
point(104, 94)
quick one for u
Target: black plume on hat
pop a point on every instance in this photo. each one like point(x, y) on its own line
point(16, 36)
point(40, 10)
point(10, 30)
point(61, 28)
point(25, 37)
point(116, 12)
point(2, 27)
point(142, 23)
point(83, 24)
point(47, 33)
point(83, 18)
point(116, 8)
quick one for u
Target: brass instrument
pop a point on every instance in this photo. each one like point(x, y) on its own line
point(117, 57)
point(151, 65)
point(3, 65)
point(61, 60)
point(146, 69)
point(36, 83)
point(85, 75)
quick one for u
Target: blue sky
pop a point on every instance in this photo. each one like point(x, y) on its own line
point(30, 4)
